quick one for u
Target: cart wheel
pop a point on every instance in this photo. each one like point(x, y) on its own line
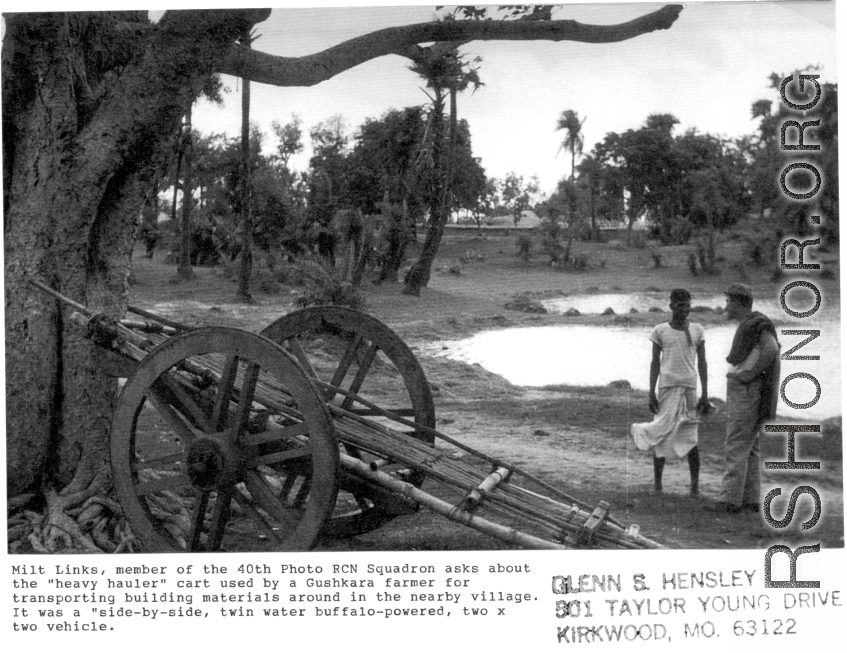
point(221, 442)
point(349, 349)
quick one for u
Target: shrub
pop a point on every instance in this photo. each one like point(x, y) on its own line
point(524, 248)
point(228, 269)
point(701, 258)
point(323, 288)
point(471, 255)
point(552, 240)
point(638, 239)
point(524, 304)
point(579, 263)
point(741, 271)
point(761, 248)
point(264, 281)
point(692, 265)
point(288, 273)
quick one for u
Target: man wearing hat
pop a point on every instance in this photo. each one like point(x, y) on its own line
point(751, 389)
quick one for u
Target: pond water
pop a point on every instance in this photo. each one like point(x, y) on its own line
point(598, 355)
point(798, 299)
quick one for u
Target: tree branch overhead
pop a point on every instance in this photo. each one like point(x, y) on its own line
point(403, 41)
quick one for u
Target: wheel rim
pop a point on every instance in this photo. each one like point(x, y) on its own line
point(368, 359)
point(221, 442)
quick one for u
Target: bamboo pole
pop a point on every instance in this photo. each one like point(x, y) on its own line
point(158, 318)
point(491, 481)
point(148, 327)
point(445, 509)
point(66, 300)
point(479, 454)
point(554, 518)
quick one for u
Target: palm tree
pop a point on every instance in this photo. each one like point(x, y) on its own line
point(184, 272)
point(446, 74)
point(571, 124)
point(242, 293)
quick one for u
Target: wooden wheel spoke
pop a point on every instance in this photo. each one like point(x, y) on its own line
point(302, 493)
point(198, 516)
point(157, 462)
point(164, 483)
point(291, 455)
point(297, 349)
point(179, 425)
point(185, 403)
point(245, 397)
point(287, 486)
point(344, 365)
point(224, 394)
point(361, 373)
point(265, 497)
point(220, 516)
point(248, 506)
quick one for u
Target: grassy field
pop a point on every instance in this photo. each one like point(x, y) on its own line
point(572, 436)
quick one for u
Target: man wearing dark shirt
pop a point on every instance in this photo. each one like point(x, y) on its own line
point(750, 400)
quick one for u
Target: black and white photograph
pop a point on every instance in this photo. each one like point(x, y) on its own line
point(360, 309)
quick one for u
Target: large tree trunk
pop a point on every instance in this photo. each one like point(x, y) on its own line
point(595, 234)
point(571, 203)
point(177, 183)
point(396, 226)
point(419, 275)
point(82, 137)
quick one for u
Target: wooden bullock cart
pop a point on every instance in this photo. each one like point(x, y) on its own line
point(322, 425)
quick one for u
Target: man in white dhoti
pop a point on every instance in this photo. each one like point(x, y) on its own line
point(679, 356)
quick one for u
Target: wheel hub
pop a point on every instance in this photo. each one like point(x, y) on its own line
point(206, 463)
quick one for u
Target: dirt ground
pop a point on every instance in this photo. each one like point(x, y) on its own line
point(573, 437)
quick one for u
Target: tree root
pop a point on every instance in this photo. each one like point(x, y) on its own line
point(71, 522)
point(86, 521)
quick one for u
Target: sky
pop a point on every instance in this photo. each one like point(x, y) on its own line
point(707, 70)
